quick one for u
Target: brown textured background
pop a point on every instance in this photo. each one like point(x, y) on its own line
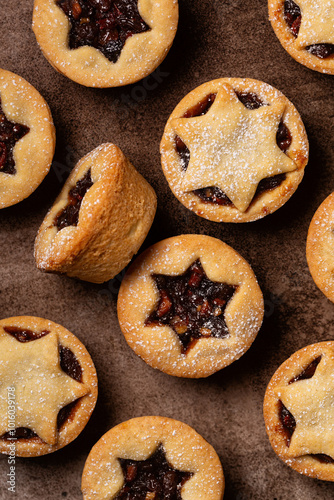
point(216, 38)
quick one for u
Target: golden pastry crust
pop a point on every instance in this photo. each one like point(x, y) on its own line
point(114, 219)
point(292, 163)
point(137, 439)
point(39, 353)
point(310, 403)
point(86, 65)
point(33, 153)
point(296, 46)
point(159, 346)
point(320, 245)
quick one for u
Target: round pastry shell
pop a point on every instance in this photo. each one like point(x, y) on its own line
point(285, 36)
point(33, 153)
point(114, 219)
point(320, 247)
point(267, 202)
point(159, 346)
point(291, 368)
point(137, 439)
point(140, 56)
point(81, 414)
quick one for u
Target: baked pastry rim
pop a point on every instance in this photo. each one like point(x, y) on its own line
point(317, 237)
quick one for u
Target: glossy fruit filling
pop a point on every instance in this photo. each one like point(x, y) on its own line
point(192, 305)
point(10, 133)
point(151, 479)
point(103, 24)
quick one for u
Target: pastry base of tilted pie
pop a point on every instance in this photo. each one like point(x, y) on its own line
point(140, 56)
point(241, 137)
point(298, 411)
point(314, 29)
point(216, 330)
point(48, 386)
point(137, 440)
point(115, 216)
point(33, 153)
point(320, 247)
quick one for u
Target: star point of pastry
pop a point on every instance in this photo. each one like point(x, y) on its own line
point(317, 23)
point(311, 402)
point(42, 388)
point(232, 147)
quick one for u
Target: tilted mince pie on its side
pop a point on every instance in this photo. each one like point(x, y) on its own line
point(27, 139)
point(105, 43)
point(190, 305)
point(299, 411)
point(320, 247)
point(99, 220)
point(153, 458)
point(305, 29)
point(234, 150)
point(48, 375)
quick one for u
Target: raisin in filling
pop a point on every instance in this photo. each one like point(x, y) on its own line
point(293, 18)
point(151, 479)
point(103, 24)
point(192, 305)
point(69, 216)
point(10, 133)
point(213, 194)
point(287, 419)
point(68, 363)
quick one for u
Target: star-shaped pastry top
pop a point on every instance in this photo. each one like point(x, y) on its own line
point(42, 389)
point(192, 305)
point(154, 477)
point(232, 147)
point(317, 23)
point(311, 402)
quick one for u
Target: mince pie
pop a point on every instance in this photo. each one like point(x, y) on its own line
point(99, 220)
point(234, 150)
point(320, 247)
point(299, 411)
point(105, 43)
point(305, 29)
point(48, 386)
point(153, 458)
point(190, 305)
point(27, 139)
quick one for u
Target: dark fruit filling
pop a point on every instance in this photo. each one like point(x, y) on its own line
point(103, 24)
point(23, 334)
point(192, 305)
point(308, 372)
point(250, 100)
point(213, 194)
point(293, 18)
point(287, 419)
point(151, 479)
point(69, 216)
point(10, 133)
point(68, 363)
